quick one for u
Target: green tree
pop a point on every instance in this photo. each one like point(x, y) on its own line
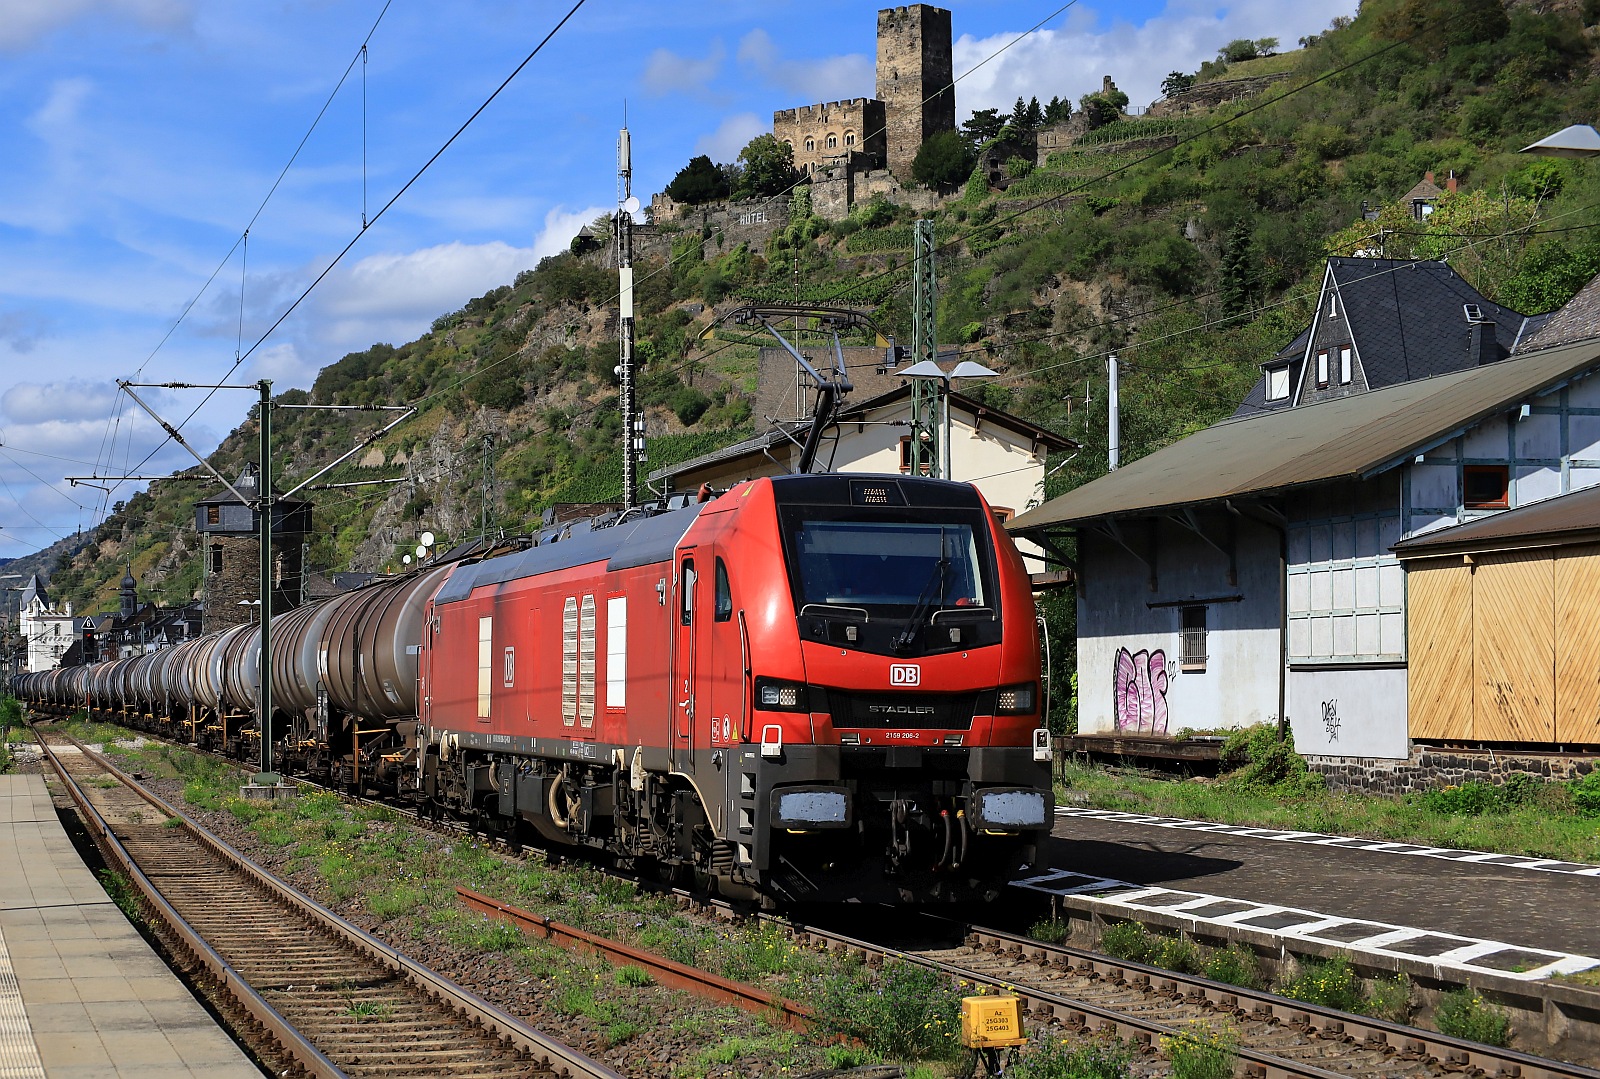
point(766, 167)
point(944, 159)
point(1101, 109)
point(1026, 116)
point(1437, 26)
point(1176, 83)
point(1238, 272)
point(981, 126)
point(698, 181)
point(1058, 111)
point(1240, 48)
point(1549, 275)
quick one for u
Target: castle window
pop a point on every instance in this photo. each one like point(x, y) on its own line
point(216, 558)
point(811, 145)
point(833, 141)
point(849, 138)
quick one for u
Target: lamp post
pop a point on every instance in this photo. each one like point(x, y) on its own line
point(937, 379)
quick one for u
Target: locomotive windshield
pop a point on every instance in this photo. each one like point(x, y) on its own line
point(871, 560)
point(883, 563)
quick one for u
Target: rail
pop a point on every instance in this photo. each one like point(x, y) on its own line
point(540, 1049)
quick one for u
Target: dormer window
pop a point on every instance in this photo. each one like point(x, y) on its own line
point(1277, 383)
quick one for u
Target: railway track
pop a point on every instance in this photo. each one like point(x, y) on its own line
point(1278, 1038)
point(331, 999)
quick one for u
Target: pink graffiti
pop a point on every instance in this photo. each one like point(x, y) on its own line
point(1142, 691)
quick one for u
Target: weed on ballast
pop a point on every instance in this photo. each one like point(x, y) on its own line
point(1462, 1013)
point(1236, 964)
point(1200, 1052)
point(119, 889)
point(634, 977)
point(1051, 1057)
point(1332, 983)
point(1390, 998)
point(367, 1009)
point(484, 934)
point(1127, 940)
point(903, 1011)
point(1049, 931)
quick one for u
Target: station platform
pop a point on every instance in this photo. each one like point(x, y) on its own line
point(81, 993)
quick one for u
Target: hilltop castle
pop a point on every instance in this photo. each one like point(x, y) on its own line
point(915, 98)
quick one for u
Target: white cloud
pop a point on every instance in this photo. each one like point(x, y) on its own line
point(24, 22)
point(284, 365)
point(829, 78)
point(666, 72)
point(731, 135)
point(1070, 61)
point(560, 226)
point(45, 402)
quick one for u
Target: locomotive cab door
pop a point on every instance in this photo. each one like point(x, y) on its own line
point(685, 684)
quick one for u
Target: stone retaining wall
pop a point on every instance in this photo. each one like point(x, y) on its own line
point(1429, 767)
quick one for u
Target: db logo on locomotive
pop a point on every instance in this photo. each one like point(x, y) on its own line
point(904, 674)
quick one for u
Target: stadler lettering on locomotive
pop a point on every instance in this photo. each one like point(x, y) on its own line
point(809, 688)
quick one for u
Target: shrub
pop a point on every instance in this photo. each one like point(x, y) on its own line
point(1586, 794)
point(1470, 799)
point(1391, 999)
point(1127, 940)
point(906, 1011)
point(1331, 983)
point(1177, 954)
point(1464, 1014)
point(1262, 761)
point(688, 404)
point(1236, 964)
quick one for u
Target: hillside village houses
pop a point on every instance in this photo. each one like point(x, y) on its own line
point(1249, 574)
point(48, 629)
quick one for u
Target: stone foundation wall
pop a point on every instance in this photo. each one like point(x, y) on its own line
point(1429, 767)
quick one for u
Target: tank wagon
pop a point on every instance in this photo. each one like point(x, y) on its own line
point(810, 688)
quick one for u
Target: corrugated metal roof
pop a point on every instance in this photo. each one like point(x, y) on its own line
point(1349, 437)
point(1569, 518)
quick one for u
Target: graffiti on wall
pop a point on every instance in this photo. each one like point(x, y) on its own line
point(1142, 681)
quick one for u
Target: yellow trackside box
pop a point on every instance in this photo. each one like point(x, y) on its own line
point(991, 1022)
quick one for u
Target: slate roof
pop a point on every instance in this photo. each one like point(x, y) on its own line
point(1426, 189)
point(1256, 400)
point(1345, 438)
point(35, 587)
point(1560, 521)
point(1408, 321)
point(1577, 319)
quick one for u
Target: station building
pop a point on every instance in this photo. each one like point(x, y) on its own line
point(1252, 573)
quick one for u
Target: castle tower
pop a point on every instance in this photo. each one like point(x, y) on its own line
point(915, 76)
point(232, 552)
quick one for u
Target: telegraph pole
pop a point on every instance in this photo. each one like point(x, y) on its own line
point(622, 233)
point(267, 777)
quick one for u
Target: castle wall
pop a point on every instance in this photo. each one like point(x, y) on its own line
point(823, 134)
point(915, 74)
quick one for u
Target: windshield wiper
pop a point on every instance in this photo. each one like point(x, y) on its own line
point(906, 639)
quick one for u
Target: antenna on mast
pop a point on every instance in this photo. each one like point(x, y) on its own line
point(622, 233)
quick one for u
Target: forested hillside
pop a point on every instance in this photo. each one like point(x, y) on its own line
point(1191, 245)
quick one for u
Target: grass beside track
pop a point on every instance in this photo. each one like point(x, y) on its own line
point(1533, 818)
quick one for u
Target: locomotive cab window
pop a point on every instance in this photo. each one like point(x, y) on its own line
point(686, 593)
point(724, 610)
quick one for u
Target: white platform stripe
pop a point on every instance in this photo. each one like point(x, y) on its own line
point(1126, 899)
point(1285, 835)
point(19, 1054)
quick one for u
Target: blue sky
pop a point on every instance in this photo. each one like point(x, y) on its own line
point(140, 136)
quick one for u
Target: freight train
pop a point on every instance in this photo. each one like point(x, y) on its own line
point(807, 688)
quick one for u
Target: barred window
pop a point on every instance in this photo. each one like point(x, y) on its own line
point(1192, 650)
point(586, 669)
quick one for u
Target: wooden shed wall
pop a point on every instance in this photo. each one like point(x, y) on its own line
point(1506, 648)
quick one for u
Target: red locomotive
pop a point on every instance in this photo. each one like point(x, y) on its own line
point(811, 688)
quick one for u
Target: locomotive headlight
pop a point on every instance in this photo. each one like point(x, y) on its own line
point(1016, 700)
point(775, 696)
